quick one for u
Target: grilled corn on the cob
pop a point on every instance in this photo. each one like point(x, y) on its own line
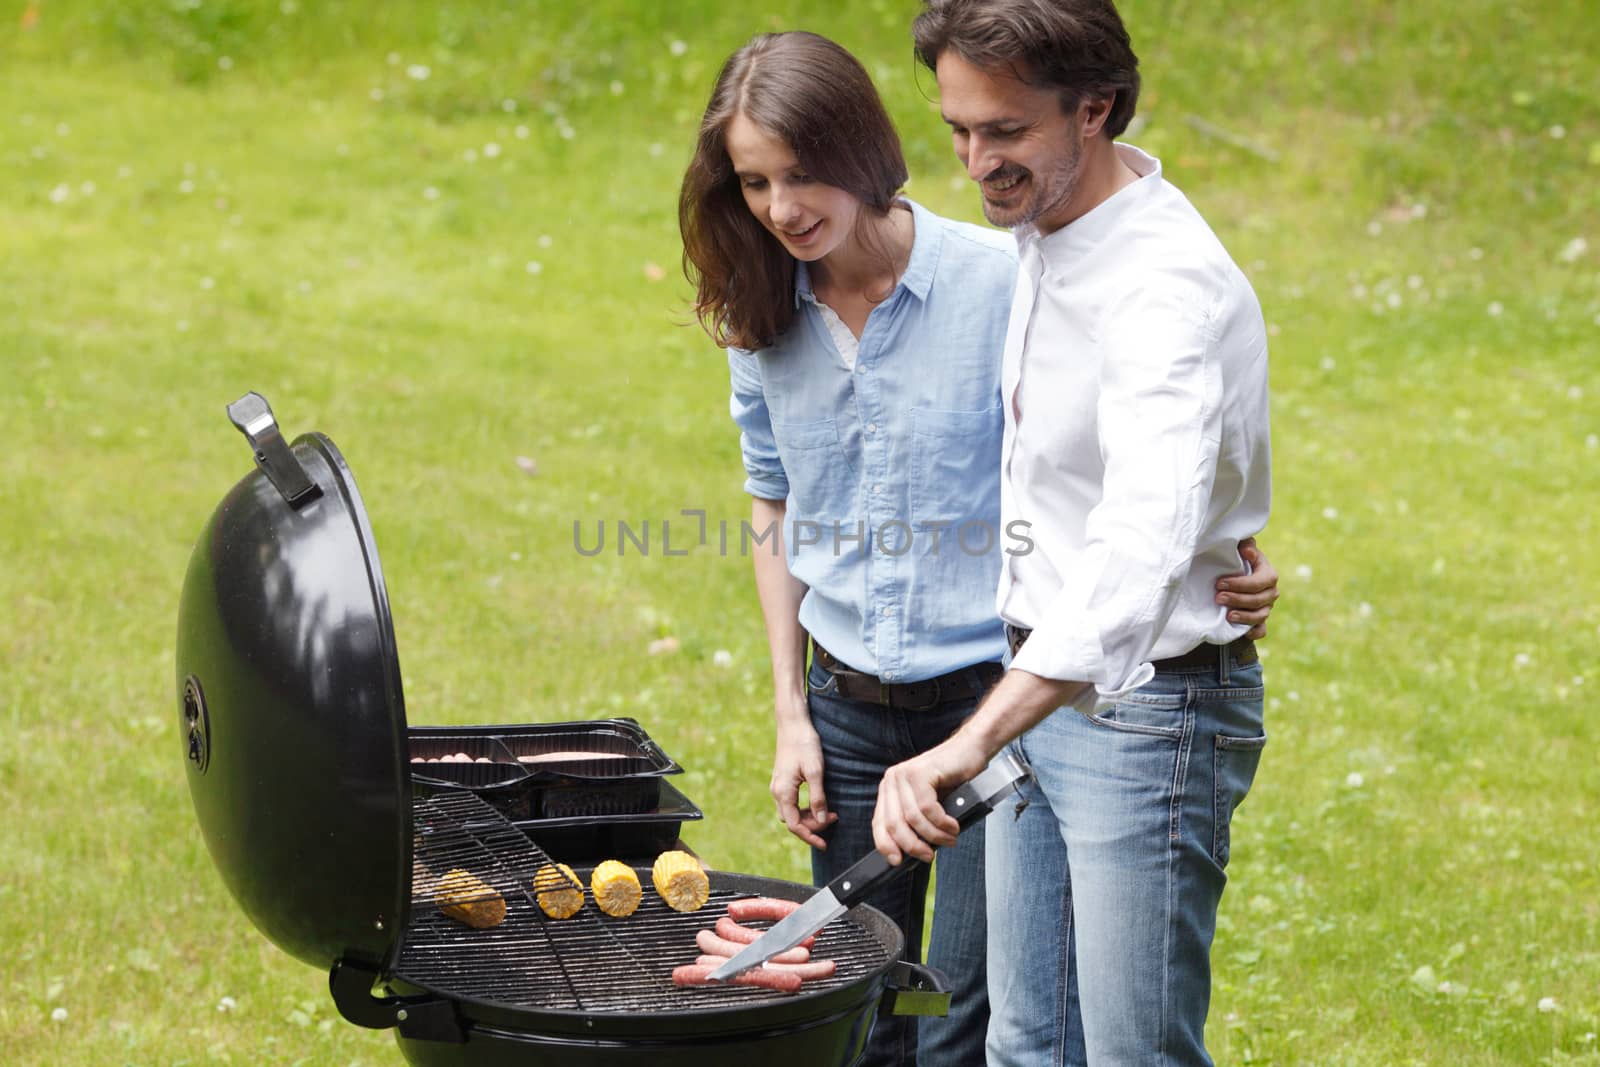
point(462, 896)
point(616, 888)
point(558, 891)
point(681, 881)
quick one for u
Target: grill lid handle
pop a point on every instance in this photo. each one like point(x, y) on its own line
point(253, 416)
point(424, 1017)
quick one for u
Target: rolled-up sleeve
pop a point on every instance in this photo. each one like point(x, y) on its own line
point(1159, 415)
point(764, 474)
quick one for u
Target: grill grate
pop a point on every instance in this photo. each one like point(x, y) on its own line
point(591, 962)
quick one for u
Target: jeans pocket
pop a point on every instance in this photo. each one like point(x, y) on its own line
point(1152, 714)
point(1236, 759)
point(821, 681)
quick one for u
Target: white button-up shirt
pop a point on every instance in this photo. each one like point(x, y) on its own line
point(1136, 445)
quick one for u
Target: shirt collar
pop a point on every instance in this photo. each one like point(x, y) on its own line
point(926, 240)
point(1094, 225)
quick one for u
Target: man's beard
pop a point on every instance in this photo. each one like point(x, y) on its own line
point(1047, 193)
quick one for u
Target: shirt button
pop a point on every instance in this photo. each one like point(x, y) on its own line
point(872, 427)
point(877, 488)
point(884, 611)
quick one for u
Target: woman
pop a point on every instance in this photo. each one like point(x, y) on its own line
point(864, 336)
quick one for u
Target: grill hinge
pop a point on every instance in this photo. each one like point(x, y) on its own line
point(425, 1018)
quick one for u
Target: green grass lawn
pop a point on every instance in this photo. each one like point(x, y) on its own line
point(445, 235)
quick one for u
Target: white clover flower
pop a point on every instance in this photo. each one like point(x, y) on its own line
point(534, 266)
point(545, 240)
point(186, 187)
point(1354, 780)
point(1496, 309)
point(1474, 253)
point(1374, 228)
point(58, 1015)
point(677, 48)
point(508, 105)
point(1303, 571)
point(62, 129)
point(1393, 300)
point(1521, 659)
point(1574, 392)
point(491, 150)
point(1414, 281)
point(227, 1004)
point(1557, 132)
point(375, 94)
point(59, 194)
point(470, 155)
point(617, 88)
point(430, 193)
point(522, 133)
point(1573, 249)
point(1546, 1005)
point(393, 59)
point(224, 63)
point(1364, 609)
point(1330, 513)
point(419, 72)
point(722, 658)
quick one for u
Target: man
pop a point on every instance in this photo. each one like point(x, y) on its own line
point(1136, 448)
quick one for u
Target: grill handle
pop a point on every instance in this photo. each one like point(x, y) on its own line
point(916, 989)
point(253, 417)
point(424, 1017)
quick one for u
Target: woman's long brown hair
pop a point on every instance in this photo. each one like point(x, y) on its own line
point(815, 97)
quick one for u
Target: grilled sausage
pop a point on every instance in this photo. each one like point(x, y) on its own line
point(808, 971)
point(729, 930)
point(713, 945)
point(753, 909)
point(695, 974)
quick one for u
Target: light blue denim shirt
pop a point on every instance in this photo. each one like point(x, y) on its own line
point(891, 472)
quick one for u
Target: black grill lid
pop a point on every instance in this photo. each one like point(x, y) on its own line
point(289, 695)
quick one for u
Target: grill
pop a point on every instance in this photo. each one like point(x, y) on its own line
point(590, 963)
point(299, 761)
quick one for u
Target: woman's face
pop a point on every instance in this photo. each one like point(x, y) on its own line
point(808, 218)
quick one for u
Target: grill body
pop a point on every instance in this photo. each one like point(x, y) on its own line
point(294, 738)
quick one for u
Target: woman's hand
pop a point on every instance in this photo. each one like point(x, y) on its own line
point(798, 762)
point(1249, 597)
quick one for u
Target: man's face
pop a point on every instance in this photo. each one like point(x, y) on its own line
point(1024, 152)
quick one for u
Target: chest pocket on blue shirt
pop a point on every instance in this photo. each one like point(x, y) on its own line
point(821, 486)
point(956, 466)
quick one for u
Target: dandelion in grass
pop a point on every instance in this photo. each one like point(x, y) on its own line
point(1548, 1005)
point(58, 1015)
point(1521, 660)
point(722, 658)
point(1328, 363)
point(419, 72)
point(227, 1004)
point(59, 194)
point(1354, 780)
point(491, 150)
point(677, 48)
point(1330, 513)
point(1364, 609)
point(1303, 572)
point(1496, 309)
point(1573, 249)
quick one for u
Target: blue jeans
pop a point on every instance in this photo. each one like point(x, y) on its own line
point(1106, 886)
point(859, 742)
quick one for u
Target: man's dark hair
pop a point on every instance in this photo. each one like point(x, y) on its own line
point(1077, 47)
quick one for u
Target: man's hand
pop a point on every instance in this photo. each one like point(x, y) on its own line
point(908, 819)
point(798, 762)
point(1249, 597)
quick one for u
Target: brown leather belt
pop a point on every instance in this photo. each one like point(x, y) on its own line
point(965, 684)
point(1200, 658)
